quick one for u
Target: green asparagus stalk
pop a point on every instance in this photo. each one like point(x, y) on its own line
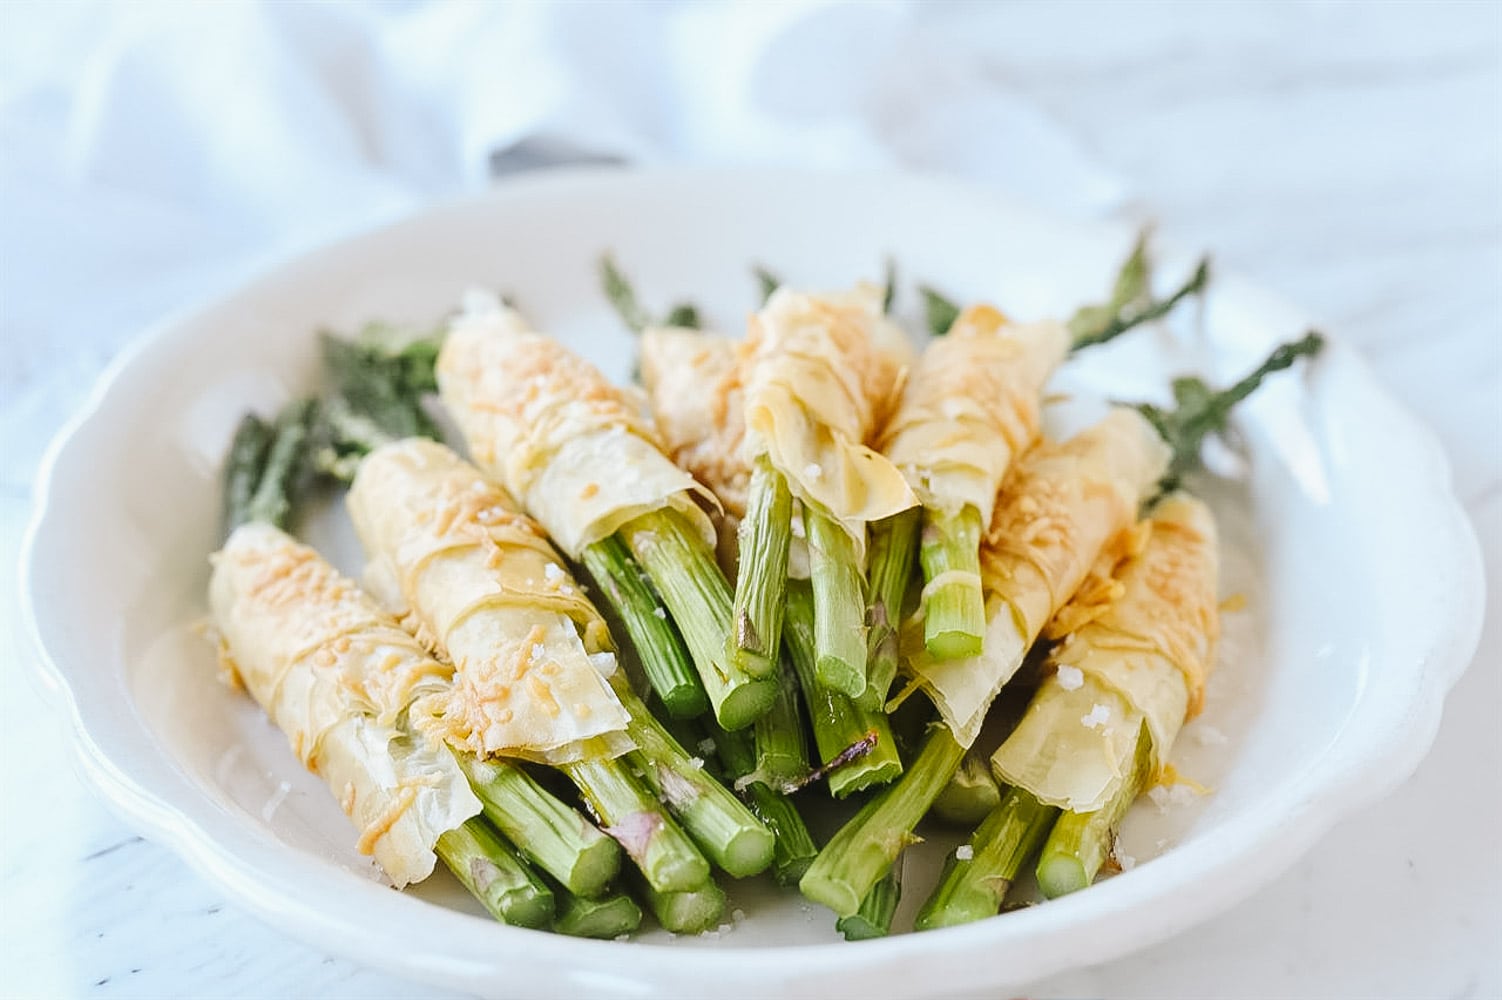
point(838, 721)
point(604, 918)
point(243, 468)
point(496, 875)
point(795, 848)
point(781, 746)
point(764, 535)
point(553, 835)
point(720, 823)
point(866, 847)
point(975, 882)
point(874, 918)
point(664, 659)
point(628, 812)
point(954, 609)
point(971, 794)
point(1090, 328)
point(894, 542)
point(1200, 411)
point(839, 605)
point(382, 374)
point(1079, 843)
point(691, 911)
point(628, 307)
point(278, 489)
point(682, 567)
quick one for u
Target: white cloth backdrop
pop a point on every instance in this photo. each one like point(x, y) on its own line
point(152, 153)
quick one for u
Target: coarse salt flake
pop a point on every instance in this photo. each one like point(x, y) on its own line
point(1071, 678)
point(813, 470)
point(965, 852)
point(1098, 717)
point(552, 572)
point(661, 613)
point(539, 651)
point(1126, 861)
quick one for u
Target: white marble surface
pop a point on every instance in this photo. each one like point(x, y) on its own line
point(1347, 156)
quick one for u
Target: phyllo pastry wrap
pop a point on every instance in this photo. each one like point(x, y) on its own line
point(531, 654)
point(347, 685)
point(1135, 657)
point(1062, 509)
point(574, 449)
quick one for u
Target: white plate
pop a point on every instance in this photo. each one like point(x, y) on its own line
point(1363, 578)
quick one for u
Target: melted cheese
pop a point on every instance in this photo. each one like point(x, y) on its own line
point(549, 426)
point(341, 678)
point(1063, 508)
point(817, 387)
point(487, 589)
point(971, 406)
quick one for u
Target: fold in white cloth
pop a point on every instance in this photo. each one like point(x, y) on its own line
point(158, 147)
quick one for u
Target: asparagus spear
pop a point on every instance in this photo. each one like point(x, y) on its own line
point(282, 476)
point(971, 794)
point(623, 300)
point(684, 571)
point(781, 746)
point(1080, 842)
point(866, 847)
point(720, 824)
point(666, 856)
point(976, 881)
point(664, 659)
point(553, 835)
point(243, 468)
point(383, 374)
point(1199, 410)
point(765, 534)
point(690, 911)
point(496, 875)
point(839, 721)
point(954, 609)
point(894, 543)
point(607, 917)
point(839, 605)
point(938, 312)
point(874, 918)
point(795, 848)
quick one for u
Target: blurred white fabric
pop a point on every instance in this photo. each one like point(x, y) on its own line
point(157, 147)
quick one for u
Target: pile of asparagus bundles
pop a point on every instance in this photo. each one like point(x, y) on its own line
point(605, 661)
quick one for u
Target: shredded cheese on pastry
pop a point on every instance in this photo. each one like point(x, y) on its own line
point(550, 426)
point(489, 591)
point(972, 404)
point(339, 678)
point(1149, 651)
point(817, 387)
point(1063, 509)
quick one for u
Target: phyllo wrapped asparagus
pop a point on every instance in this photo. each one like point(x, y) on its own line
point(817, 386)
point(1062, 508)
point(570, 446)
point(1135, 654)
point(530, 651)
point(346, 684)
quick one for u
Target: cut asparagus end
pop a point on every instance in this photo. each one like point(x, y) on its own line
point(874, 918)
point(719, 822)
point(495, 874)
point(553, 835)
point(681, 566)
point(664, 658)
point(839, 605)
point(658, 845)
point(838, 721)
point(1079, 843)
point(971, 794)
point(863, 849)
point(763, 539)
point(691, 911)
point(894, 545)
point(974, 885)
point(604, 918)
point(794, 848)
point(781, 747)
point(954, 608)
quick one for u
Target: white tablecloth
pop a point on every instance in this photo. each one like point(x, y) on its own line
point(1349, 157)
